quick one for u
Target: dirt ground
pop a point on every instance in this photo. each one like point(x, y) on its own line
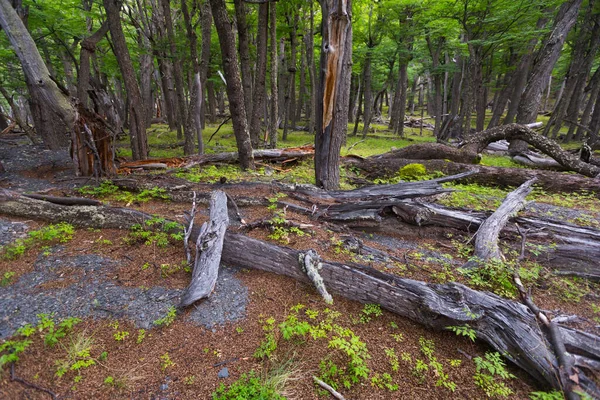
point(121, 287)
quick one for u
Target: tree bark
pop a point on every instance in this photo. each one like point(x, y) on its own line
point(333, 96)
point(274, 112)
point(244, 49)
point(88, 47)
point(137, 126)
point(235, 92)
point(545, 60)
point(48, 99)
point(261, 73)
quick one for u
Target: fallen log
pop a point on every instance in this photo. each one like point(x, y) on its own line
point(271, 155)
point(550, 181)
point(470, 150)
point(486, 238)
point(209, 246)
point(506, 325)
point(66, 201)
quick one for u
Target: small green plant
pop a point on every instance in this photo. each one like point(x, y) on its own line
point(398, 337)
point(384, 382)
point(355, 351)
point(464, 330)
point(166, 361)
point(140, 336)
point(120, 336)
point(393, 325)
point(167, 319)
point(103, 356)
point(412, 172)
point(54, 334)
point(155, 231)
point(248, 386)
point(392, 358)
point(78, 355)
point(491, 372)
point(269, 343)
point(239, 329)
point(370, 310)
point(7, 278)
point(10, 350)
point(61, 232)
point(109, 380)
point(553, 395)
point(189, 380)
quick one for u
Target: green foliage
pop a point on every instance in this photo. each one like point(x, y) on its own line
point(491, 371)
point(269, 343)
point(571, 289)
point(369, 311)
point(109, 189)
point(61, 233)
point(293, 327)
point(167, 319)
point(78, 355)
point(121, 336)
point(384, 382)
point(140, 336)
point(392, 358)
point(7, 278)
point(553, 395)
point(464, 330)
point(155, 231)
point(349, 346)
point(497, 276)
point(10, 350)
point(248, 387)
point(412, 172)
point(54, 334)
point(166, 362)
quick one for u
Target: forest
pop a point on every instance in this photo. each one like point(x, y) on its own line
point(297, 199)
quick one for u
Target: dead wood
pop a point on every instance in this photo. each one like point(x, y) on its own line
point(271, 155)
point(550, 181)
point(15, 378)
point(331, 390)
point(471, 148)
point(486, 238)
point(209, 245)
point(506, 325)
point(66, 201)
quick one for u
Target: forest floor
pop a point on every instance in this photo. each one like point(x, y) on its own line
point(123, 286)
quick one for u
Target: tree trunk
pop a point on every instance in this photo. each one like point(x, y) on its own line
point(302, 88)
point(48, 101)
point(274, 115)
point(368, 93)
point(235, 91)
point(88, 47)
point(291, 112)
point(333, 95)
point(179, 87)
point(435, 52)
point(594, 89)
point(195, 109)
point(244, 49)
point(312, 74)
point(545, 60)
point(261, 73)
point(206, 23)
point(505, 91)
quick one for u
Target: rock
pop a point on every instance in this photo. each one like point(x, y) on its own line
point(224, 373)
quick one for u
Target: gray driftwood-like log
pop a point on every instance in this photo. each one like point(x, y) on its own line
point(507, 326)
point(209, 245)
point(311, 264)
point(486, 239)
point(67, 201)
point(272, 155)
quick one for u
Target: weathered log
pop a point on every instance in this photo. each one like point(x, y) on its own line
point(66, 201)
point(506, 325)
point(486, 238)
point(272, 155)
point(209, 246)
point(550, 181)
point(471, 148)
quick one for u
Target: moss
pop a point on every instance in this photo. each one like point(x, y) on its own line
point(412, 172)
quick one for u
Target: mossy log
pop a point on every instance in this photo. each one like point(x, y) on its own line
point(509, 327)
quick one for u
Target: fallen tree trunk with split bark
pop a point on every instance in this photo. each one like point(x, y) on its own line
point(509, 327)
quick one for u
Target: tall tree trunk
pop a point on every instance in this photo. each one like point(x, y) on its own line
point(332, 109)
point(179, 87)
point(137, 126)
point(505, 90)
point(206, 23)
point(545, 60)
point(244, 49)
point(88, 47)
point(359, 107)
point(261, 73)
point(594, 89)
point(302, 88)
point(19, 117)
point(196, 96)
point(437, 81)
point(42, 89)
point(521, 74)
point(235, 91)
point(312, 74)
point(273, 123)
point(368, 92)
point(578, 69)
point(291, 112)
